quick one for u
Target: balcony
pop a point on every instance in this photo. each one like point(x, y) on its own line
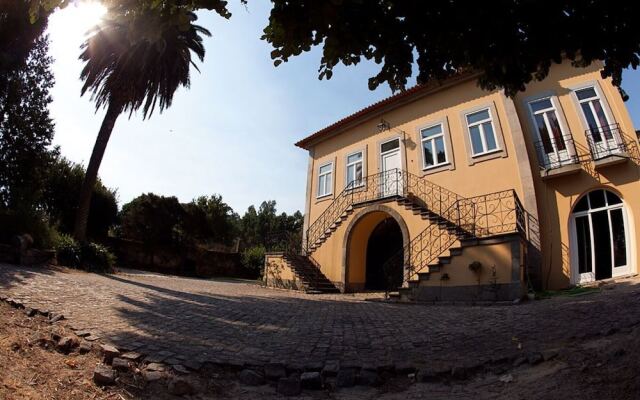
point(557, 156)
point(608, 145)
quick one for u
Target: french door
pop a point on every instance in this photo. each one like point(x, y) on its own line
point(554, 147)
point(600, 240)
point(602, 133)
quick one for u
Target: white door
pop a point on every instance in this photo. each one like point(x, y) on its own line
point(600, 240)
point(391, 174)
point(604, 136)
point(553, 147)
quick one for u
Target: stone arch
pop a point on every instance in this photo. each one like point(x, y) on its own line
point(357, 218)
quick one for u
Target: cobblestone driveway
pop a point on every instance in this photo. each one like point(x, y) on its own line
point(241, 323)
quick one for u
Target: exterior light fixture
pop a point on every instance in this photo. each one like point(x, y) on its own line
point(383, 126)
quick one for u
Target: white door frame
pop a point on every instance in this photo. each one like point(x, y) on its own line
point(610, 146)
point(576, 276)
point(558, 157)
point(385, 189)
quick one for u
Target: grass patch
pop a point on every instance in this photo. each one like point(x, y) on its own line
point(571, 292)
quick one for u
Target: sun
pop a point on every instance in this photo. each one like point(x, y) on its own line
point(76, 19)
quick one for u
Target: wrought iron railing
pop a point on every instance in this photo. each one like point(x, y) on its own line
point(387, 184)
point(606, 141)
point(289, 244)
point(477, 217)
point(556, 152)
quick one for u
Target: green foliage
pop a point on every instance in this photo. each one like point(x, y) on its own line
point(152, 219)
point(90, 257)
point(210, 220)
point(68, 251)
point(62, 185)
point(19, 222)
point(509, 42)
point(97, 258)
point(252, 258)
point(26, 131)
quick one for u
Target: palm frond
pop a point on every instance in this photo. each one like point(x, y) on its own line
point(139, 61)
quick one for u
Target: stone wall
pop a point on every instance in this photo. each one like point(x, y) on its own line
point(185, 261)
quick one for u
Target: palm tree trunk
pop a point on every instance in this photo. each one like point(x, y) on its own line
point(84, 203)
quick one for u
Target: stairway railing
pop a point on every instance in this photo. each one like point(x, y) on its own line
point(387, 184)
point(475, 217)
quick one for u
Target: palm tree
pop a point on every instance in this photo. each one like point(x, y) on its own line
point(133, 61)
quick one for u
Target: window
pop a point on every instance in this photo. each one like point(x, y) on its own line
point(325, 180)
point(593, 111)
point(553, 147)
point(354, 170)
point(433, 147)
point(481, 132)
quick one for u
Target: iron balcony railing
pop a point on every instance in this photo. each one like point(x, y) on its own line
point(556, 152)
point(606, 141)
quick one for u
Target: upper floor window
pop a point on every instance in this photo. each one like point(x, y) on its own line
point(593, 111)
point(325, 180)
point(552, 143)
point(433, 147)
point(481, 132)
point(354, 170)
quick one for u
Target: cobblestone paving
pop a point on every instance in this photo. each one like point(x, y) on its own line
point(193, 321)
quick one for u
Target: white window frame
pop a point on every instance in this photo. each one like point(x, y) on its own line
point(483, 139)
point(432, 139)
point(324, 174)
point(354, 163)
point(599, 96)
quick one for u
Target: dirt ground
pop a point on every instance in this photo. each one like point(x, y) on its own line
point(604, 367)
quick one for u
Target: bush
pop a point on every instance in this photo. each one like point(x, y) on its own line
point(16, 223)
point(91, 256)
point(96, 257)
point(68, 251)
point(253, 259)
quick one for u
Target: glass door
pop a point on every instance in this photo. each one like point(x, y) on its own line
point(602, 134)
point(600, 237)
point(553, 148)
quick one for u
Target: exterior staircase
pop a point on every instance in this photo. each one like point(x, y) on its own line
point(309, 274)
point(456, 221)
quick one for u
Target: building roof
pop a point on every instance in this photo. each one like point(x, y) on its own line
point(412, 94)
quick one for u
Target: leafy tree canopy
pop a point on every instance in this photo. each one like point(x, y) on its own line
point(26, 131)
point(62, 184)
point(510, 42)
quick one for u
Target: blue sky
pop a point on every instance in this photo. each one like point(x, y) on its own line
point(232, 132)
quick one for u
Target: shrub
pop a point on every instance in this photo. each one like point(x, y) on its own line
point(91, 256)
point(96, 257)
point(16, 223)
point(68, 251)
point(253, 259)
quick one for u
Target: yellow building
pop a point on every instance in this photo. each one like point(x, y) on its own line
point(449, 192)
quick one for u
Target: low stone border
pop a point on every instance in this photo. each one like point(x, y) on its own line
point(179, 376)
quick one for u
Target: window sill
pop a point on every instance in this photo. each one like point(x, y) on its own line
point(325, 197)
point(437, 168)
point(486, 153)
point(490, 155)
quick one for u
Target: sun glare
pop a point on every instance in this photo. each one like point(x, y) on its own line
point(77, 18)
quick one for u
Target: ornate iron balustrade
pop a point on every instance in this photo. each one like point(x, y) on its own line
point(606, 141)
point(556, 152)
point(475, 217)
point(387, 184)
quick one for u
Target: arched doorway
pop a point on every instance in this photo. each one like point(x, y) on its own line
point(600, 237)
point(384, 243)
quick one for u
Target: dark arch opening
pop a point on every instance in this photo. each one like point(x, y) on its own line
point(385, 241)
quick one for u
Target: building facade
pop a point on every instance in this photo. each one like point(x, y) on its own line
point(450, 192)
